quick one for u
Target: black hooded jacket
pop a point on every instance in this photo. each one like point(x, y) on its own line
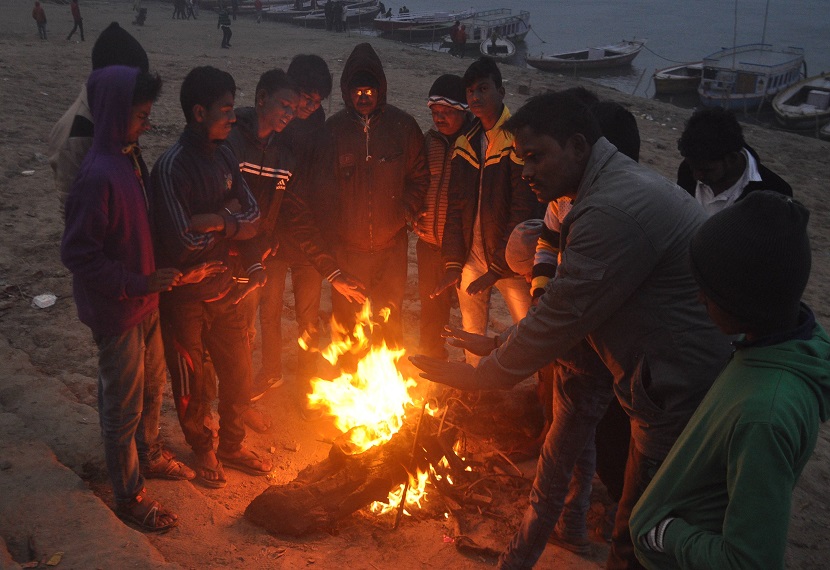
point(379, 162)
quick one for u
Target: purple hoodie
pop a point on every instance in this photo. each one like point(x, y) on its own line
point(107, 244)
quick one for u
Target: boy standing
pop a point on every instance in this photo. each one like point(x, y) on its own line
point(722, 497)
point(107, 245)
point(201, 203)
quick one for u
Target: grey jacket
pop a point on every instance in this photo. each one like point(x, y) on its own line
point(624, 283)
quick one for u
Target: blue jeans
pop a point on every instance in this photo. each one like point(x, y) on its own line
point(131, 377)
point(475, 309)
point(561, 492)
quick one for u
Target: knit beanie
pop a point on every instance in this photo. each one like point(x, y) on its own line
point(753, 258)
point(115, 46)
point(448, 90)
point(521, 246)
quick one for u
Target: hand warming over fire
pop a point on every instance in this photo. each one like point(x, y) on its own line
point(451, 277)
point(200, 272)
point(483, 283)
point(455, 374)
point(352, 289)
point(479, 344)
point(255, 280)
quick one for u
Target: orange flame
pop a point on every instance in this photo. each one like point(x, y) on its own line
point(368, 403)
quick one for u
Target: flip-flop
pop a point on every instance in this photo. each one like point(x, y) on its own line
point(217, 482)
point(246, 464)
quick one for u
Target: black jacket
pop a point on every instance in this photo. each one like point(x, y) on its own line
point(769, 179)
point(271, 171)
point(379, 164)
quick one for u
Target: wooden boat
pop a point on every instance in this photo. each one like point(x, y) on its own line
point(743, 77)
point(615, 55)
point(357, 14)
point(421, 19)
point(287, 12)
point(500, 49)
point(805, 104)
point(678, 79)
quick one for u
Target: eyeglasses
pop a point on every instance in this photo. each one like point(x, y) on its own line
point(368, 92)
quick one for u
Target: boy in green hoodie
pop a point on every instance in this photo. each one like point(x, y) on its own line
point(722, 497)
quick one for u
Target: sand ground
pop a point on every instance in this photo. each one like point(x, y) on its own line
point(53, 495)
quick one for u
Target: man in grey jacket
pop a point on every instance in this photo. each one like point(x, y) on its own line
point(624, 284)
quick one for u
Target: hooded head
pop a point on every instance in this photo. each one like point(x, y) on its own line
point(363, 65)
point(115, 46)
point(110, 92)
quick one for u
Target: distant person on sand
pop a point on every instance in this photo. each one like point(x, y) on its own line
point(108, 247)
point(224, 24)
point(462, 40)
point(718, 167)
point(71, 136)
point(76, 17)
point(258, 8)
point(39, 14)
point(454, 37)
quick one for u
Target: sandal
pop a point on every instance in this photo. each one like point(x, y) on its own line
point(246, 460)
point(168, 467)
point(256, 420)
point(147, 515)
point(211, 477)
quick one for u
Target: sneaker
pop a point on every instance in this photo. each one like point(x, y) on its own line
point(263, 383)
point(579, 545)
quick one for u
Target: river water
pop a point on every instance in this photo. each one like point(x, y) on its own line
point(675, 30)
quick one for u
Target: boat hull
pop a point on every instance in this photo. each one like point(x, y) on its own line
point(582, 60)
point(804, 105)
point(677, 80)
point(501, 51)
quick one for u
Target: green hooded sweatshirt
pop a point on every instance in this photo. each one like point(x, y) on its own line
point(729, 478)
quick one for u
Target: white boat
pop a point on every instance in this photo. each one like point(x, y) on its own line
point(500, 49)
point(501, 21)
point(804, 105)
point(678, 79)
point(743, 77)
point(615, 55)
point(355, 15)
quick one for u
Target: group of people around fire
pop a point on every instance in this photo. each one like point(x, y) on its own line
point(672, 311)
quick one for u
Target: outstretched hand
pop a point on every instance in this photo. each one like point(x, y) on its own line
point(478, 344)
point(350, 287)
point(255, 280)
point(456, 374)
point(451, 277)
point(200, 272)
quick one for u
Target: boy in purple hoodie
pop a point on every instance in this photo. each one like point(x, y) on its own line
point(107, 245)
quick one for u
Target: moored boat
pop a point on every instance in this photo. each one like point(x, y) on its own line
point(743, 77)
point(354, 15)
point(678, 79)
point(805, 104)
point(500, 49)
point(602, 57)
point(408, 20)
point(501, 21)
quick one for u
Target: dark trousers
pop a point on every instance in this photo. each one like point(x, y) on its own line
point(79, 25)
point(226, 36)
point(613, 435)
point(307, 287)
point(639, 472)
point(384, 274)
point(435, 312)
point(189, 329)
